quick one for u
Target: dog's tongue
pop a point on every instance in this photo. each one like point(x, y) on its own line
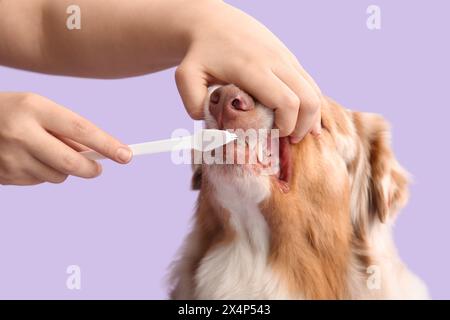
point(284, 177)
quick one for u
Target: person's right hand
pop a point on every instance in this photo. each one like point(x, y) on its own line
point(40, 140)
point(228, 46)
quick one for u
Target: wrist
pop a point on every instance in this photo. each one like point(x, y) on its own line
point(196, 16)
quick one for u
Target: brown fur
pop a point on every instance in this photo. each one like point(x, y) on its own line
point(312, 237)
point(374, 136)
point(310, 228)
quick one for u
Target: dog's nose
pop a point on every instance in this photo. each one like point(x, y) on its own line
point(231, 97)
point(228, 102)
point(238, 104)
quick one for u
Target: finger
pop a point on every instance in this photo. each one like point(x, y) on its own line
point(192, 85)
point(73, 144)
point(306, 123)
point(317, 127)
point(299, 68)
point(310, 102)
point(63, 122)
point(273, 93)
point(57, 155)
point(15, 170)
point(22, 181)
point(308, 78)
point(43, 172)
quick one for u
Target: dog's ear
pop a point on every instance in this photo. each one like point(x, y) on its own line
point(386, 181)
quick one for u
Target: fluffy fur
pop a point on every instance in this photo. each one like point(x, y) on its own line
point(329, 237)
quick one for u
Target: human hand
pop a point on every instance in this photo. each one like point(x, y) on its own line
point(228, 46)
point(211, 41)
point(40, 140)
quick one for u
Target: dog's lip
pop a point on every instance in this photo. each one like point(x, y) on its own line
point(285, 171)
point(283, 176)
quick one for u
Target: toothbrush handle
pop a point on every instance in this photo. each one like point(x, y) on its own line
point(168, 145)
point(179, 143)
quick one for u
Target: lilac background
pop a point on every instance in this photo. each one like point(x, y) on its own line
point(123, 228)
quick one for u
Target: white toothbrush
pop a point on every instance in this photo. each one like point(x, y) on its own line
point(203, 140)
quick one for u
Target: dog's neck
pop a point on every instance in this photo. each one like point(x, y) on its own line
point(306, 242)
point(310, 244)
point(240, 195)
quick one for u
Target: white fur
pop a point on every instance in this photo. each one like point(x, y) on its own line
point(396, 281)
point(240, 270)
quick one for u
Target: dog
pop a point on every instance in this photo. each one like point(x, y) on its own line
point(319, 227)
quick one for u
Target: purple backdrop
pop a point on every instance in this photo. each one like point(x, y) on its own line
point(123, 228)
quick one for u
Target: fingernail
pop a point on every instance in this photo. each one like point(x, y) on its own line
point(124, 155)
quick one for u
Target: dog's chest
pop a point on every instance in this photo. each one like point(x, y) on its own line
point(236, 272)
point(240, 269)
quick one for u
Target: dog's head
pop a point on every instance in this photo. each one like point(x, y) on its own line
point(350, 165)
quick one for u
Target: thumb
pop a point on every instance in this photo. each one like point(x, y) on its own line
point(193, 88)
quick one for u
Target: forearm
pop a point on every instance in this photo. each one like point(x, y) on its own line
point(117, 38)
point(212, 42)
